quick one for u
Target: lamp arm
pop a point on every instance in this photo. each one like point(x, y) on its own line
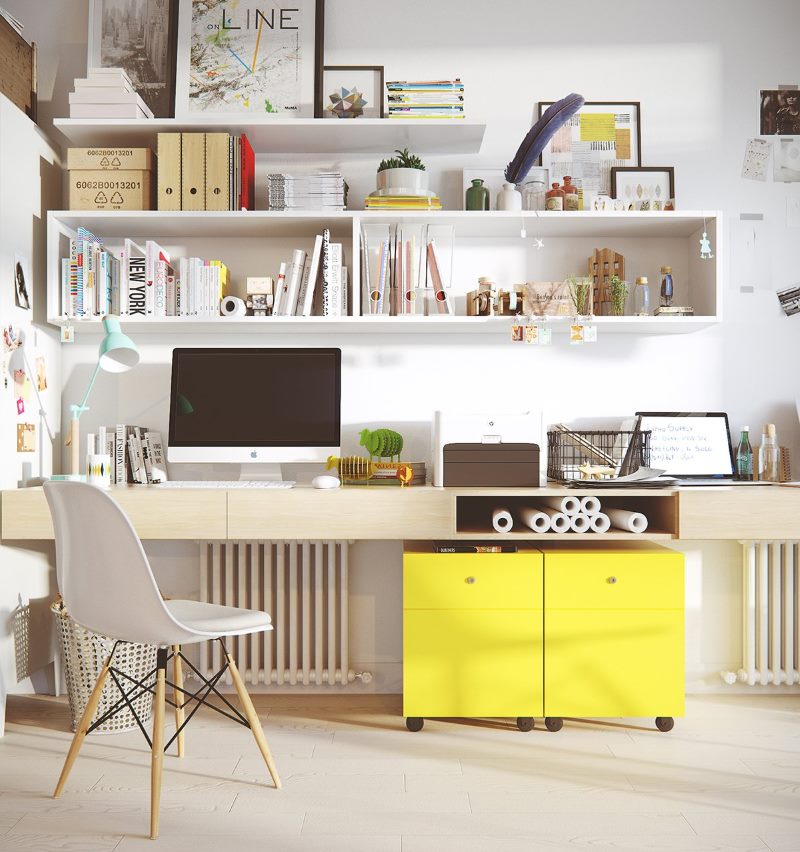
point(77, 410)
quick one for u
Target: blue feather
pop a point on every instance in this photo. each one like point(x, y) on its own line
point(536, 139)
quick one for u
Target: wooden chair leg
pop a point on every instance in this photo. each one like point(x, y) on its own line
point(177, 668)
point(157, 760)
point(255, 724)
point(83, 727)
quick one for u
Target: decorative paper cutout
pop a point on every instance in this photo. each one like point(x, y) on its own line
point(598, 127)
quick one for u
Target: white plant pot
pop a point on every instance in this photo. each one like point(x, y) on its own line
point(403, 181)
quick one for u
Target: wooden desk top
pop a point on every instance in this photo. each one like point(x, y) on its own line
point(422, 512)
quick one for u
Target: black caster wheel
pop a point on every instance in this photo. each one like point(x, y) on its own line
point(665, 723)
point(525, 723)
point(553, 723)
point(415, 723)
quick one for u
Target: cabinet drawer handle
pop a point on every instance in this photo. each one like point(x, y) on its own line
point(470, 580)
point(612, 580)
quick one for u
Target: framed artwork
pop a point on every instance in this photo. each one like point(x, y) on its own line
point(23, 291)
point(600, 136)
point(644, 187)
point(780, 112)
point(140, 38)
point(249, 60)
point(352, 91)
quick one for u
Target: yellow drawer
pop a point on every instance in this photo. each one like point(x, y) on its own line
point(472, 580)
point(614, 580)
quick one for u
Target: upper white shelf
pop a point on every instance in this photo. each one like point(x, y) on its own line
point(473, 224)
point(292, 136)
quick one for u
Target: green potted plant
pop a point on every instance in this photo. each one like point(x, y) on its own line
point(402, 175)
point(618, 291)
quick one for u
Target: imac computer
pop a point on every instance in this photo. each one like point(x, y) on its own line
point(255, 407)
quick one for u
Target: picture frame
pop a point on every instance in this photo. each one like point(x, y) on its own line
point(367, 79)
point(140, 38)
point(23, 286)
point(644, 187)
point(223, 70)
point(780, 112)
point(599, 131)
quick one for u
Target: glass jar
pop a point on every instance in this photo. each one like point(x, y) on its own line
point(555, 198)
point(641, 297)
point(534, 190)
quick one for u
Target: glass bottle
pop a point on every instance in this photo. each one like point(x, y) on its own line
point(571, 197)
point(641, 297)
point(555, 198)
point(477, 196)
point(666, 286)
point(769, 455)
point(535, 189)
point(744, 456)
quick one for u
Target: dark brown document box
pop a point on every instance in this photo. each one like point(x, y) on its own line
point(492, 465)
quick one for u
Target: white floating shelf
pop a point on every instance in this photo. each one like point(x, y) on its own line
point(498, 326)
point(292, 136)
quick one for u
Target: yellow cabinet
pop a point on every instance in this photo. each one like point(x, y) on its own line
point(614, 632)
point(472, 635)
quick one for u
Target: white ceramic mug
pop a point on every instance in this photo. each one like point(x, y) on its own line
point(98, 470)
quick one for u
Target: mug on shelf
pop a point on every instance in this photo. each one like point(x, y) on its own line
point(98, 470)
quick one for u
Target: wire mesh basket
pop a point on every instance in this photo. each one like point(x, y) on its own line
point(84, 654)
point(595, 454)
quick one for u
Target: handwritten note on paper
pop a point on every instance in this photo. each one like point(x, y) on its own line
point(598, 127)
point(688, 446)
point(756, 159)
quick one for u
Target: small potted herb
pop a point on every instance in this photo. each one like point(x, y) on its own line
point(402, 175)
point(618, 291)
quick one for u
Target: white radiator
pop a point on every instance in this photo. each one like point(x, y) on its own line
point(770, 640)
point(303, 585)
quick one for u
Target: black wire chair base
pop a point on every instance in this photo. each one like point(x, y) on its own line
point(148, 684)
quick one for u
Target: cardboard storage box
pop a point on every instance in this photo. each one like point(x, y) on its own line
point(95, 189)
point(110, 159)
point(17, 69)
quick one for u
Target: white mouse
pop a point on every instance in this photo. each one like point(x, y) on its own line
point(325, 481)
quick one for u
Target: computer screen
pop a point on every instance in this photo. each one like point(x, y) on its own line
point(244, 405)
point(689, 444)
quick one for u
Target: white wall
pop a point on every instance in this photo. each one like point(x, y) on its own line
point(697, 69)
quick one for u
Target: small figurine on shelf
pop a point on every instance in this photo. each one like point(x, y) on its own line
point(705, 247)
point(383, 443)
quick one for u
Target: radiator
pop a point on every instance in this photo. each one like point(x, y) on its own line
point(303, 585)
point(770, 594)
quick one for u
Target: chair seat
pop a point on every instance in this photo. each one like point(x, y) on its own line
point(217, 619)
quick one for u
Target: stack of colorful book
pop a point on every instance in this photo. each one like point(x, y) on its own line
point(394, 473)
point(426, 99)
point(402, 202)
point(106, 93)
point(325, 191)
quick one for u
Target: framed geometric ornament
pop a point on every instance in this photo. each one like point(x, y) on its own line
point(352, 91)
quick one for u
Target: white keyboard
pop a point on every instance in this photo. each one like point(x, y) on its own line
point(234, 483)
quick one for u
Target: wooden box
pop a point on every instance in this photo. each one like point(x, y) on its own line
point(128, 189)
point(110, 159)
point(17, 69)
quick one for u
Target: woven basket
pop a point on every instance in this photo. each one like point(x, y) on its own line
point(84, 654)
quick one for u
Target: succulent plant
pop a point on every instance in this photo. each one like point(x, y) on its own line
point(405, 160)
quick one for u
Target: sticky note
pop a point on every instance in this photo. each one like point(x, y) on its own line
point(598, 127)
point(623, 143)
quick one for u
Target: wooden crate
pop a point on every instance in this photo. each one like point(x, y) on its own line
point(17, 69)
point(602, 265)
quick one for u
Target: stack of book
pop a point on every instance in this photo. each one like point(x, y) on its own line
point(402, 202)
point(674, 311)
point(426, 99)
point(106, 93)
point(387, 474)
point(317, 191)
point(137, 454)
point(137, 283)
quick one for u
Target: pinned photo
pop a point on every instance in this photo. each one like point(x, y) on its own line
point(780, 112)
point(26, 437)
point(22, 283)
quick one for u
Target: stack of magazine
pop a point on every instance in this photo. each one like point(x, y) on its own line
point(324, 191)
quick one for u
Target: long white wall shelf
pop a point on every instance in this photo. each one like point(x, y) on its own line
point(292, 136)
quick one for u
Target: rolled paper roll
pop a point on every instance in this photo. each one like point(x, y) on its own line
point(567, 505)
point(502, 520)
point(559, 522)
point(231, 306)
point(580, 523)
point(601, 523)
point(536, 519)
point(590, 506)
point(622, 519)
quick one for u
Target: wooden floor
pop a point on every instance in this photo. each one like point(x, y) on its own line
point(726, 778)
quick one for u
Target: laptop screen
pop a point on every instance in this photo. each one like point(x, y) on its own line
point(689, 444)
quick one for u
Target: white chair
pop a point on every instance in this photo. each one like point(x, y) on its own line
point(108, 586)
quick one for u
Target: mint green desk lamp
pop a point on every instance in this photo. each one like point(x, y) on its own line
point(117, 354)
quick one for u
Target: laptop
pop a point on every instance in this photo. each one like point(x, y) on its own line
point(692, 447)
